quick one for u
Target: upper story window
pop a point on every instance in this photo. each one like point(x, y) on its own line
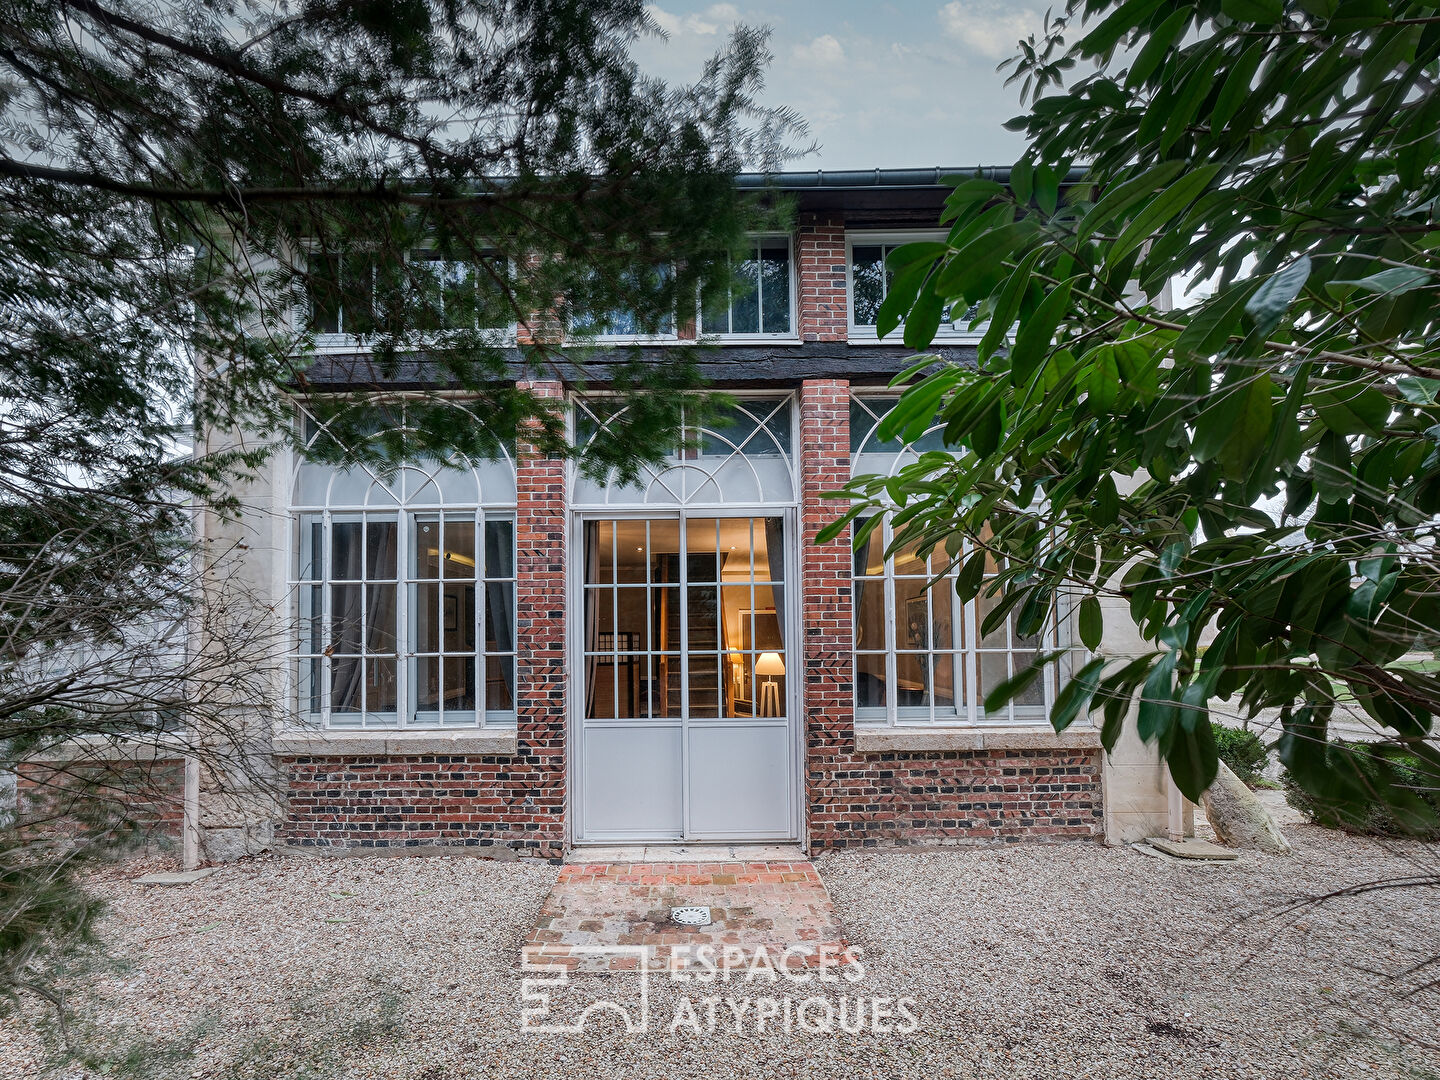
point(405, 594)
point(351, 293)
point(868, 283)
point(760, 302)
point(922, 656)
point(618, 325)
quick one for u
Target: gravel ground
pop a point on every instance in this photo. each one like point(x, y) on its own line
point(1024, 962)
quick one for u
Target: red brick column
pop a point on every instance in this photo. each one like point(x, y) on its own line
point(821, 258)
point(540, 545)
point(825, 577)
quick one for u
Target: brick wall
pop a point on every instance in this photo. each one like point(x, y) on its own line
point(422, 800)
point(61, 799)
point(955, 797)
point(469, 800)
point(820, 260)
point(855, 800)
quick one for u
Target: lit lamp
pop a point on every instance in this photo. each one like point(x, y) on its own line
point(770, 665)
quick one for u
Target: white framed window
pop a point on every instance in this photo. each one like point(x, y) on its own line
point(622, 327)
point(920, 654)
point(760, 306)
point(342, 304)
point(405, 595)
point(867, 283)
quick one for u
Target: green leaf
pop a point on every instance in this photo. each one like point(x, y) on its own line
point(1392, 282)
point(1268, 12)
point(1160, 210)
point(1075, 695)
point(1158, 46)
point(1211, 326)
point(1007, 307)
point(1157, 707)
point(1032, 343)
point(1120, 22)
point(1352, 410)
point(1238, 83)
point(1193, 758)
point(1273, 298)
point(971, 577)
point(1418, 391)
point(1123, 196)
point(1092, 623)
point(1103, 382)
point(1252, 427)
point(1021, 681)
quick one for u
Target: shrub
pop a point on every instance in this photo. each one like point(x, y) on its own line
point(1373, 769)
point(1244, 753)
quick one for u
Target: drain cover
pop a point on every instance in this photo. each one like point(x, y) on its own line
point(690, 916)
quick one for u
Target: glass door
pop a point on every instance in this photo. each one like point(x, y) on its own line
point(685, 727)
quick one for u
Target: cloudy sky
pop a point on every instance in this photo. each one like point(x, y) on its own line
point(885, 84)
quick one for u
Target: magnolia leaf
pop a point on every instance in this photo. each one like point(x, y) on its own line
point(1273, 297)
point(1091, 623)
point(1392, 282)
point(1268, 12)
point(1352, 410)
point(1076, 695)
point(1021, 681)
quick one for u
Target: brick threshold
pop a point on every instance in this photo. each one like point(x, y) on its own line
point(611, 917)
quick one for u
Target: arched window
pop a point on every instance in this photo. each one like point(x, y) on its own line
point(745, 459)
point(405, 593)
point(921, 655)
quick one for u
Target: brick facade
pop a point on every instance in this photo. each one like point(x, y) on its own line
point(61, 798)
point(469, 800)
point(820, 260)
point(851, 798)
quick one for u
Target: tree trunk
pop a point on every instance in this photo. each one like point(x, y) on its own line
point(1239, 819)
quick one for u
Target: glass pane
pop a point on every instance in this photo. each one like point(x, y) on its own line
point(380, 685)
point(1034, 694)
point(602, 679)
point(382, 541)
point(769, 636)
point(665, 550)
point(942, 630)
point(769, 549)
point(912, 614)
point(499, 615)
point(704, 686)
point(702, 549)
point(346, 678)
point(665, 685)
point(460, 682)
point(943, 677)
point(499, 679)
point(345, 550)
point(991, 670)
point(324, 289)
point(599, 619)
point(912, 680)
point(312, 623)
point(426, 683)
point(869, 601)
point(775, 286)
point(500, 547)
point(908, 562)
point(869, 680)
point(312, 546)
point(345, 618)
point(381, 615)
point(737, 621)
point(997, 638)
point(867, 282)
point(630, 560)
point(745, 298)
point(458, 627)
point(630, 670)
point(307, 681)
point(459, 549)
point(632, 607)
point(768, 682)
point(665, 620)
point(703, 618)
point(427, 548)
point(426, 618)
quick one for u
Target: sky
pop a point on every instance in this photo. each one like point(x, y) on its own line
point(887, 84)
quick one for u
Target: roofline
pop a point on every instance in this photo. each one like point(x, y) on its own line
point(855, 179)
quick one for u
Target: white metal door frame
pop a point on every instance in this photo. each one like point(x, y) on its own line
point(575, 652)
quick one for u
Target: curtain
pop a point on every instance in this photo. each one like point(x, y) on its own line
point(775, 556)
point(500, 606)
point(346, 555)
point(592, 610)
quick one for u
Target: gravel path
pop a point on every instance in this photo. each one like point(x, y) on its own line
point(1024, 962)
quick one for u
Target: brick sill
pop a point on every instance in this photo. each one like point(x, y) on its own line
point(498, 741)
point(878, 740)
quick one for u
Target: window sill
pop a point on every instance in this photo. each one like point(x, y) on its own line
point(316, 743)
point(879, 740)
point(857, 337)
